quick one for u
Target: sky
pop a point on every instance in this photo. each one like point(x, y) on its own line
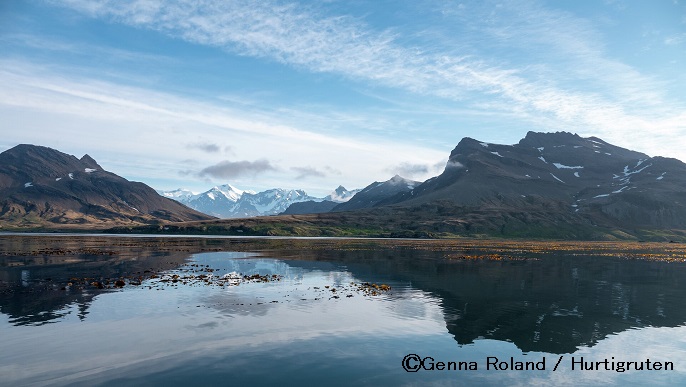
point(313, 95)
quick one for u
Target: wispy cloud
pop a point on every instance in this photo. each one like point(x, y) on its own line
point(676, 39)
point(454, 164)
point(306, 172)
point(45, 43)
point(117, 123)
point(410, 170)
point(206, 147)
point(300, 36)
point(233, 169)
point(418, 171)
point(514, 64)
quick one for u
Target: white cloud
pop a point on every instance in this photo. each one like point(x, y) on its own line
point(145, 135)
point(621, 100)
point(676, 39)
point(231, 169)
point(623, 106)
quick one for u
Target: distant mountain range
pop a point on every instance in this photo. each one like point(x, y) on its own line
point(548, 185)
point(227, 201)
point(42, 186)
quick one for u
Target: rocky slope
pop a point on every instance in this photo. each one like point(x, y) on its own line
point(568, 174)
point(318, 206)
point(310, 207)
point(377, 192)
point(548, 185)
point(42, 186)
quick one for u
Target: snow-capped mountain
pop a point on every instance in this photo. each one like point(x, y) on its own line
point(218, 201)
point(341, 194)
point(228, 191)
point(227, 201)
point(270, 202)
point(317, 206)
point(180, 195)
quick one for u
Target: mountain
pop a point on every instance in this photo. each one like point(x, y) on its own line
point(548, 185)
point(227, 201)
point(180, 195)
point(269, 202)
point(218, 201)
point(43, 186)
point(377, 192)
point(310, 207)
point(551, 165)
point(341, 194)
point(561, 172)
point(318, 206)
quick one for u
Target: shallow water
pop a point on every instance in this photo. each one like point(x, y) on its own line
point(451, 301)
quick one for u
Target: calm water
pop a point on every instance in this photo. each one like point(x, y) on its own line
point(448, 301)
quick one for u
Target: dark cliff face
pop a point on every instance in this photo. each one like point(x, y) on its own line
point(310, 207)
point(377, 193)
point(564, 174)
point(40, 184)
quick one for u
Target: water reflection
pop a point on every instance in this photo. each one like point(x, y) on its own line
point(543, 304)
point(554, 304)
point(35, 290)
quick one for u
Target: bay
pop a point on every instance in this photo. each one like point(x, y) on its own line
point(318, 311)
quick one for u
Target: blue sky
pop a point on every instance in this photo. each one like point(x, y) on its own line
point(310, 95)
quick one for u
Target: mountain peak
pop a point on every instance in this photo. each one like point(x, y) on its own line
point(24, 150)
point(51, 187)
point(90, 162)
point(377, 192)
point(341, 194)
point(537, 139)
point(397, 179)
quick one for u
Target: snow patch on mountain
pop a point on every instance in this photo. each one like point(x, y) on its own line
point(557, 178)
point(341, 194)
point(561, 166)
point(181, 195)
point(270, 202)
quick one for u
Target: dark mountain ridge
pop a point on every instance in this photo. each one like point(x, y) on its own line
point(310, 207)
point(42, 186)
point(548, 185)
point(588, 176)
point(377, 192)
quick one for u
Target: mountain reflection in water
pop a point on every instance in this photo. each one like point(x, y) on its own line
point(545, 300)
point(555, 303)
